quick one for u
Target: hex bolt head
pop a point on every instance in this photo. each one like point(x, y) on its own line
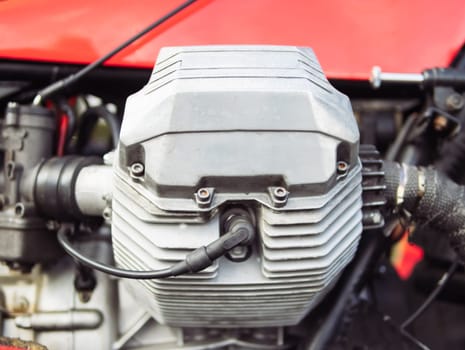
point(137, 169)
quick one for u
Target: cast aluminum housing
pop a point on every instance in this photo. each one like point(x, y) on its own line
point(239, 121)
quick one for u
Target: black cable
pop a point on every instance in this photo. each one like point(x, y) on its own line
point(394, 151)
point(195, 261)
point(111, 270)
point(350, 285)
point(72, 120)
point(3, 312)
point(439, 286)
point(65, 82)
point(90, 117)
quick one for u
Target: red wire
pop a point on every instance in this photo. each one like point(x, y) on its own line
point(62, 131)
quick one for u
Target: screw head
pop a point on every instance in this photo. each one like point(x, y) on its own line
point(203, 194)
point(455, 102)
point(137, 169)
point(280, 193)
point(342, 167)
point(279, 196)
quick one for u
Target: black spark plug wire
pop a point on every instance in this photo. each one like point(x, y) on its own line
point(241, 232)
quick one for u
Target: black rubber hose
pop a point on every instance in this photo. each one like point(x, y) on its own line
point(452, 161)
point(392, 171)
point(55, 184)
point(3, 312)
point(431, 198)
point(90, 118)
point(394, 175)
point(394, 151)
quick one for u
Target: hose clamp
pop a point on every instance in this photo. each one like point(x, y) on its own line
point(421, 183)
point(402, 184)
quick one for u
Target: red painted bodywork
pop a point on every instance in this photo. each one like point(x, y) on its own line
point(349, 37)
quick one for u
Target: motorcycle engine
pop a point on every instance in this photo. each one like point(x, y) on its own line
point(255, 129)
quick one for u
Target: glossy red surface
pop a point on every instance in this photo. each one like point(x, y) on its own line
point(349, 37)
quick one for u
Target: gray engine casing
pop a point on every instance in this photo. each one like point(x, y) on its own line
point(240, 121)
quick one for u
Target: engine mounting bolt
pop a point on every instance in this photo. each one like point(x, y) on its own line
point(137, 169)
point(342, 167)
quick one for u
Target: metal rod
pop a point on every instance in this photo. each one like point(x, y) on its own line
point(378, 77)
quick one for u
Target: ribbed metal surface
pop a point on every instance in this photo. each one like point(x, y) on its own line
point(313, 242)
point(300, 254)
point(229, 62)
point(240, 120)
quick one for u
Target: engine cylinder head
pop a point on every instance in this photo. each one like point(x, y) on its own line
point(256, 127)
